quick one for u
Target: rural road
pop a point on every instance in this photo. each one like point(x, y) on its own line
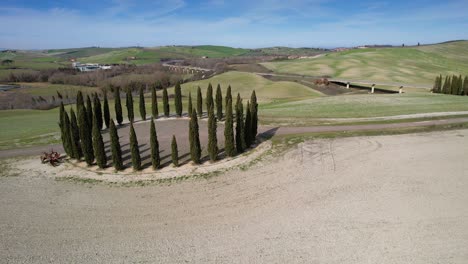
point(169, 126)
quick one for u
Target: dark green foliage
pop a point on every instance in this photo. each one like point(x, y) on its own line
point(219, 103)
point(85, 136)
point(199, 102)
point(154, 102)
point(248, 126)
point(228, 96)
point(194, 138)
point(212, 139)
point(209, 98)
point(98, 111)
point(175, 152)
point(190, 106)
point(136, 159)
point(454, 85)
point(178, 99)
point(89, 112)
point(79, 100)
point(65, 133)
point(166, 102)
point(447, 85)
point(465, 86)
point(142, 104)
point(254, 115)
point(129, 105)
point(155, 159)
point(75, 136)
point(115, 147)
point(62, 126)
point(106, 110)
point(240, 138)
point(229, 146)
point(98, 145)
point(118, 106)
point(460, 85)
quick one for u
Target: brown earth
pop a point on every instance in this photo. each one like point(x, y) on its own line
point(386, 199)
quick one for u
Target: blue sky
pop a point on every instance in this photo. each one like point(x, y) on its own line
point(32, 24)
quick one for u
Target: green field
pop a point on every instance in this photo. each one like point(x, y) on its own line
point(415, 66)
point(244, 83)
point(350, 106)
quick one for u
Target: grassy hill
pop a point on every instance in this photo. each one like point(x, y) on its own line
point(409, 65)
point(244, 83)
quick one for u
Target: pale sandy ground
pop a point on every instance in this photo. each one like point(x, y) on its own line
point(387, 199)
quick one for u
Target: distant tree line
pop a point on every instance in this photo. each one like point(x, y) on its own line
point(81, 133)
point(455, 85)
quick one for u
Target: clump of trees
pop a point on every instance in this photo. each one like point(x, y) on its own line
point(454, 85)
point(82, 139)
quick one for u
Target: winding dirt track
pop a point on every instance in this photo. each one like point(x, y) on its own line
point(385, 199)
point(166, 128)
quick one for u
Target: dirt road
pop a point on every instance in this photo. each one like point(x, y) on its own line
point(386, 199)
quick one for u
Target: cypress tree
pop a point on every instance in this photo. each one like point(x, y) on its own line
point(194, 137)
point(199, 102)
point(142, 104)
point(79, 100)
point(190, 107)
point(454, 85)
point(115, 147)
point(460, 85)
point(166, 103)
point(219, 103)
point(175, 152)
point(155, 159)
point(118, 106)
point(98, 111)
point(212, 139)
point(154, 102)
point(254, 115)
point(446, 88)
point(75, 136)
point(98, 145)
point(437, 88)
point(106, 110)
point(178, 99)
point(62, 127)
point(248, 126)
point(465, 86)
point(228, 96)
point(136, 159)
point(89, 113)
point(129, 105)
point(229, 146)
point(85, 136)
point(66, 137)
point(240, 138)
point(209, 98)
point(434, 87)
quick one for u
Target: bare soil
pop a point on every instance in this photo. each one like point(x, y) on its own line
point(386, 199)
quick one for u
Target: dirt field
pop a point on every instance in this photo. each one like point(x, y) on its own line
point(387, 199)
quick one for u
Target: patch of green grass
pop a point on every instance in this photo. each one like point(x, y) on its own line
point(412, 65)
point(348, 106)
point(244, 83)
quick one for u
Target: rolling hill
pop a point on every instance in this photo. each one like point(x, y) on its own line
point(416, 66)
point(244, 83)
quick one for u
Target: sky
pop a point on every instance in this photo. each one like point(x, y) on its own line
point(32, 24)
